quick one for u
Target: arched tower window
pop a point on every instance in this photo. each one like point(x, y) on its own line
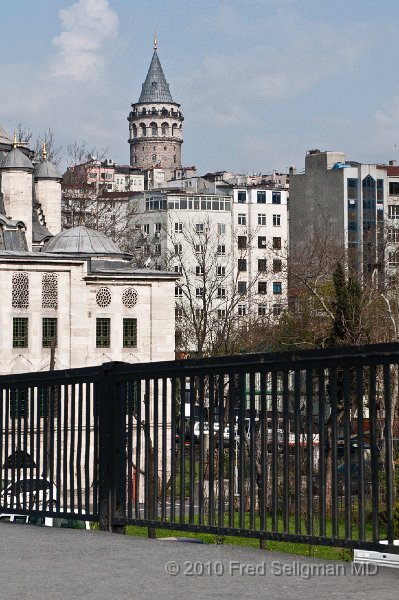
point(134, 130)
point(164, 111)
point(154, 128)
point(174, 129)
point(144, 112)
point(143, 129)
point(165, 129)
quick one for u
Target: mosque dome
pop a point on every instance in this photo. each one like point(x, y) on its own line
point(16, 160)
point(46, 170)
point(82, 240)
point(4, 138)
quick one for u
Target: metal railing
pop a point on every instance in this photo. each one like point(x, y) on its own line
point(296, 447)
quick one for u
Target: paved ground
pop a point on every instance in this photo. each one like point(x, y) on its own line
point(45, 563)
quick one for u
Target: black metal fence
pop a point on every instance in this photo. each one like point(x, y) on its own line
point(292, 447)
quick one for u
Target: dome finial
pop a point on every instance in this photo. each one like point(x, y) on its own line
point(155, 41)
point(15, 140)
point(44, 151)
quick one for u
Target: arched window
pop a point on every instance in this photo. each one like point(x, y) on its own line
point(154, 158)
point(143, 112)
point(165, 129)
point(143, 129)
point(154, 128)
point(174, 129)
point(154, 110)
point(164, 111)
point(134, 130)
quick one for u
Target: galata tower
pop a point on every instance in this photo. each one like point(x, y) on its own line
point(155, 123)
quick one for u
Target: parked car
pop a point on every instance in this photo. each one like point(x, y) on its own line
point(41, 521)
point(30, 493)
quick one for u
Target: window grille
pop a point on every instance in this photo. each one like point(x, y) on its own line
point(20, 290)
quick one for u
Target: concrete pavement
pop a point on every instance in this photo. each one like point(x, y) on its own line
point(40, 563)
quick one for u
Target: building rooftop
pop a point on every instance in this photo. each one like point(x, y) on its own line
point(82, 240)
point(155, 88)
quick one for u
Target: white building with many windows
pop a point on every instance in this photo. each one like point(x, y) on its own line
point(229, 252)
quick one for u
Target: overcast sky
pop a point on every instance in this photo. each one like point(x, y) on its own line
point(260, 81)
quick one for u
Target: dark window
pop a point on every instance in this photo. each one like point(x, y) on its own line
point(49, 331)
point(262, 287)
point(352, 189)
point(276, 198)
point(242, 264)
point(242, 287)
point(20, 332)
point(242, 242)
point(277, 310)
point(277, 243)
point(277, 265)
point(277, 287)
point(242, 197)
point(394, 188)
point(221, 292)
point(103, 333)
point(262, 241)
point(261, 309)
point(130, 333)
point(261, 197)
point(262, 265)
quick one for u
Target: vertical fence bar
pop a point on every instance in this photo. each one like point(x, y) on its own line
point(274, 449)
point(137, 473)
point(333, 449)
point(285, 448)
point(59, 440)
point(65, 449)
point(347, 453)
point(192, 450)
point(174, 456)
point(182, 453)
point(201, 458)
point(7, 400)
point(221, 450)
point(360, 438)
point(241, 437)
point(50, 434)
point(211, 463)
point(263, 453)
point(322, 454)
point(87, 441)
point(297, 450)
point(24, 456)
point(232, 429)
point(71, 449)
point(32, 415)
point(252, 450)
point(131, 491)
point(79, 449)
point(388, 452)
point(147, 460)
point(309, 451)
point(164, 456)
point(374, 453)
point(155, 447)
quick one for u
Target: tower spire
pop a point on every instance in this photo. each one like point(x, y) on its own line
point(155, 40)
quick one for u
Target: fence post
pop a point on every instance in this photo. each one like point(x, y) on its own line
point(112, 452)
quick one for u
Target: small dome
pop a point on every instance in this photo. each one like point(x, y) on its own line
point(4, 138)
point(46, 170)
point(16, 160)
point(82, 240)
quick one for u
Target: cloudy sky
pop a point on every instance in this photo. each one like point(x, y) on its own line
point(260, 81)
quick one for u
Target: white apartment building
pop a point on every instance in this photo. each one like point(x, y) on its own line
point(230, 251)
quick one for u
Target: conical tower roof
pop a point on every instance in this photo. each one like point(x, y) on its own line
point(155, 88)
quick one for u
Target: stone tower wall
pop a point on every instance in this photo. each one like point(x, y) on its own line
point(48, 194)
point(17, 189)
point(162, 147)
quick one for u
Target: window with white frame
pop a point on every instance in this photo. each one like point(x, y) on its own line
point(242, 310)
point(157, 249)
point(199, 228)
point(242, 219)
point(221, 228)
point(199, 292)
point(146, 228)
point(262, 287)
point(220, 271)
point(276, 220)
point(158, 227)
point(393, 235)
point(277, 287)
point(261, 219)
point(178, 313)
point(261, 197)
point(178, 227)
point(221, 313)
point(221, 250)
point(261, 310)
point(199, 270)
point(393, 211)
point(178, 249)
point(221, 292)
point(178, 291)
point(277, 310)
point(199, 248)
point(241, 196)
point(178, 269)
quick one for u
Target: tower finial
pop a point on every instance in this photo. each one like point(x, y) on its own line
point(155, 41)
point(44, 151)
point(15, 140)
